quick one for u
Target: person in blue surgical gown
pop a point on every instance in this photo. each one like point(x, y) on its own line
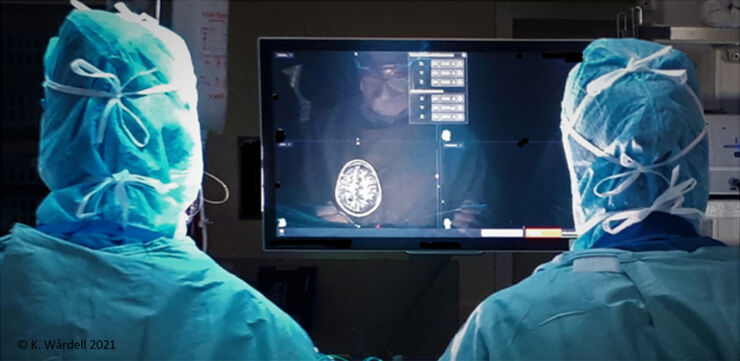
point(640, 282)
point(109, 272)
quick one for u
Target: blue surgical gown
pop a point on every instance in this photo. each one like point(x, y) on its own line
point(161, 299)
point(612, 304)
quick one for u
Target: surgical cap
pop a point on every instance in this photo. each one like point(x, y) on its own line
point(634, 137)
point(120, 139)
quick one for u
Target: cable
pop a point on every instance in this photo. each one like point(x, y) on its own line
point(203, 223)
point(226, 190)
point(196, 206)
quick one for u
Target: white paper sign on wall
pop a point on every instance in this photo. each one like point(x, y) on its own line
point(204, 26)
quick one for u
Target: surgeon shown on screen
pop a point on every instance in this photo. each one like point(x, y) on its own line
point(374, 169)
point(640, 282)
point(109, 271)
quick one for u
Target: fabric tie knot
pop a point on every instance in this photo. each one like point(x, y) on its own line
point(627, 177)
point(670, 201)
point(632, 65)
point(121, 176)
point(636, 65)
point(120, 180)
point(115, 97)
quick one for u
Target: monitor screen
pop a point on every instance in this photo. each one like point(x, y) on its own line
point(416, 145)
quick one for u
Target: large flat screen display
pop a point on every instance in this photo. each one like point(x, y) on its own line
point(418, 145)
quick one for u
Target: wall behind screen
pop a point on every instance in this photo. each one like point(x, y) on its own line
point(366, 304)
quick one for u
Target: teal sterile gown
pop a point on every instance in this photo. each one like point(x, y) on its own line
point(159, 300)
point(612, 304)
point(639, 283)
point(109, 272)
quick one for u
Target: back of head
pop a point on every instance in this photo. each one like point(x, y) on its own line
point(634, 137)
point(120, 139)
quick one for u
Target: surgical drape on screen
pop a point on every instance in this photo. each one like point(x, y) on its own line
point(634, 137)
point(120, 139)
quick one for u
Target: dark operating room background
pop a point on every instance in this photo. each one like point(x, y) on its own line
point(362, 304)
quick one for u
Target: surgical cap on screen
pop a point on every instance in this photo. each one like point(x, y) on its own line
point(120, 139)
point(634, 137)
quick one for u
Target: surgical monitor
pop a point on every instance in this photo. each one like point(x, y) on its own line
point(417, 145)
